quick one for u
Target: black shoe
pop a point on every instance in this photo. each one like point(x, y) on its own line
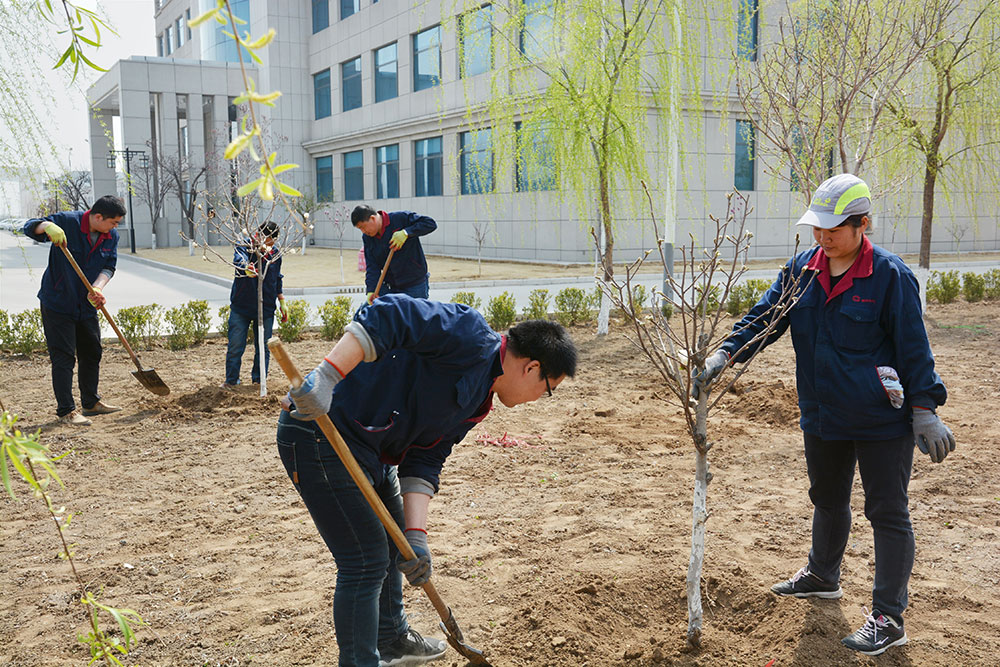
point(410, 649)
point(805, 584)
point(877, 634)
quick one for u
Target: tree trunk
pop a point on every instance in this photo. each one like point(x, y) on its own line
point(261, 342)
point(607, 252)
point(930, 180)
point(342, 278)
point(699, 515)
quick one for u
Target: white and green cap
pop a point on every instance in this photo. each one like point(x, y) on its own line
point(837, 199)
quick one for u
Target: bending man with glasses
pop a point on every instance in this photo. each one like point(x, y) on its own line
point(407, 381)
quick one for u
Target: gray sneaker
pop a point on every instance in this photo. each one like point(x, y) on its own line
point(879, 633)
point(410, 649)
point(805, 584)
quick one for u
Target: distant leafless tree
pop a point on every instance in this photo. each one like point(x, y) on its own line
point(185, 179)
point(70, 191)
point(152, 185)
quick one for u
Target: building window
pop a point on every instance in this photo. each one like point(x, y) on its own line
point(427, 167)
point(179, 32)
point(183, 146)
point(746, 30)
point(387, 172)
point(744, 172)
point(427, 58)
point(475, 41)
point(321, 93)
point(168, 40)
point(536, 32)
point(354, 176)
point(216, 45)
point(535, 168)
point(321, 15)
point(386, 86)
point(349, 8)
point(159, 45)
point(187, 22)
point(324, 178)
point(350, 83)
point(476, 161)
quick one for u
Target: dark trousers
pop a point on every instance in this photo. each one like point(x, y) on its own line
point(239, 324)
point(885, 467)
point(368, 598)
point(73, 341)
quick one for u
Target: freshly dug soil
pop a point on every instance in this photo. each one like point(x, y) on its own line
point(569, 547)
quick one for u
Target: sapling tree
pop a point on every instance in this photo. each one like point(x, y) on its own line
point(152, 184)
point(33, 462)
point(185, 177)
point(341, 221)
point(677, 345)
point(480, 234)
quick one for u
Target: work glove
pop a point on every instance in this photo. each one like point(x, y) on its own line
point(931, 435)
point(250, 270)
point(398, 239)
point(713, 366)
point(370, 297)
point(97, 298)
point(418, 570)
point(283, 309)
point(313, 397)
point(55, 233)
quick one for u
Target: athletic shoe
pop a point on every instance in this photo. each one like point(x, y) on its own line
point(877, 634)
point(100, 408)
point(410, 649)
point(805, 584)
point(75, 418)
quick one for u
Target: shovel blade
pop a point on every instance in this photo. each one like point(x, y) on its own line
point(454, 636)
point(148, 378)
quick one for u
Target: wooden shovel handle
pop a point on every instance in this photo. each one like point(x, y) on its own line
point(279, 354)
point(385, 268)
point(107, 315)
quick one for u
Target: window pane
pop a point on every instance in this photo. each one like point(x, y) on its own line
point(744, 172)
point(321, 15)
point(537, 34)
point(385, 73)
point(168, 39)
point(324, 178)
point(354, 175)
point(387, 171)
point(428, 167)
point(535, 166)
point(427, 58)
point(351, 83)
point(179, 28)
point(746, 30)
point(349, 8)
point(321, 93)
point(477, 161)
point(476, 41)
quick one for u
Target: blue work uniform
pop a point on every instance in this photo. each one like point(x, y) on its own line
point(408, 270)
point(243, 308)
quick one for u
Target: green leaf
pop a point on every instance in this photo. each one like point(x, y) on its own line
point(4, 474)
point(92, 65)
point(201, 18)
point(263, 41)
point(289, 190)
point(249, 187)
point(281, 168)
point(64, 56)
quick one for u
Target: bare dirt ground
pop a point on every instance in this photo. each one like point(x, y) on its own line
point(569, 552)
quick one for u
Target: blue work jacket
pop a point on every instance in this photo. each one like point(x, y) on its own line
point(243, 294)
point(409, 266)
point(62, 290)
point(428, 388)
point(871, 318)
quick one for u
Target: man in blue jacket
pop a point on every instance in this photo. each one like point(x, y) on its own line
point(256, 256)
point(69, 315)
point(867, 393)
point(406, 382)
point(383, 232)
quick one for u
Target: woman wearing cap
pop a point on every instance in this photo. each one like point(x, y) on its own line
point(867, 391)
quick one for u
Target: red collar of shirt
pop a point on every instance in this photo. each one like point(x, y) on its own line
point(385, 224)
point(85, 228)
point(861, 268)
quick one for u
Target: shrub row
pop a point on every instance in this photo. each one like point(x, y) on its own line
point(945, 286)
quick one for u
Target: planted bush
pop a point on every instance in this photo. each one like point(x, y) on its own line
point(973, 286)
point(24, 333)
point(992, 281)
point(180, 328)
point(5, 332)
point(572, 306)
point(140, 324)
point(201, 319)
point(501, 311)
point(638, 298)
point(224, 321)
point(298, 319)
point(469, 299)
point(334, 315)
point(711, 301)
point(538, 305)
point(745, 296)
point(943, 287)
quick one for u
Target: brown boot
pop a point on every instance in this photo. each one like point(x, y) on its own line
point(100, 408)
point(75, 418)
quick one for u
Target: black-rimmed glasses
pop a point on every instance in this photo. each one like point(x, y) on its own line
point(548, 387)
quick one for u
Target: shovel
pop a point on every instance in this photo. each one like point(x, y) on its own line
point(448, 623)
point(147, 377)
point(385, 268)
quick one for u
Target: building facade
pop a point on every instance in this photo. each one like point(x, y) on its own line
point(374, 109)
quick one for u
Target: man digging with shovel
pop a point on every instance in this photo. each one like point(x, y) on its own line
point(406, 382)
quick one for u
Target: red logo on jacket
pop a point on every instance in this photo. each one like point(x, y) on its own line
point(858, 299)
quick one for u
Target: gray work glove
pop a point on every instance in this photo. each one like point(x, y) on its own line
point(931, 435)
point(713, 366)
point(418, 570)
point(313, 397)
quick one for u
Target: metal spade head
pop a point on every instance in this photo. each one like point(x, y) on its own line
point(148, 378)
point(454, 636)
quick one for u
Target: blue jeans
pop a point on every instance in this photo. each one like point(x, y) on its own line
point(239, 324)
point(885, 467)
point(419, 291)
point(368, 598)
